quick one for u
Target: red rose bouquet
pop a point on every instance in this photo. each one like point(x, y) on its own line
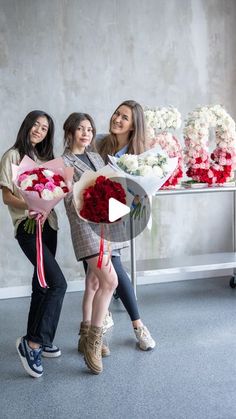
point(42, 187)
point(91, 195)
point(96, 199)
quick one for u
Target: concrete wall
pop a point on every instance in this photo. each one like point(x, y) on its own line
point(89, 55)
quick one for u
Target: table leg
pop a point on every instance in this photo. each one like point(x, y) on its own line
point(133, 269)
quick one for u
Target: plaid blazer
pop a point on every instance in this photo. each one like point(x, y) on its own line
point(86, 236)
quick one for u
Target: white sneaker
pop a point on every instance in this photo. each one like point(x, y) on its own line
point(145, 341)
point(51, 351)
point(107, 322)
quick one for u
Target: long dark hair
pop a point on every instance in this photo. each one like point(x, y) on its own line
point(42, 150)
point(72, 123)
point(137, 139)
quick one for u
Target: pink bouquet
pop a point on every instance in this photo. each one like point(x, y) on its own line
point(42, 187)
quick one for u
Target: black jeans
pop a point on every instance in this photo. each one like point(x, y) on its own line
point(46, 303)
point(124, 289)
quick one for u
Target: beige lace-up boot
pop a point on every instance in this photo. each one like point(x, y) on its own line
point(93, 349)
point(83, 333)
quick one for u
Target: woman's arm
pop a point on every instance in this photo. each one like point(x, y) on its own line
point(11, 200)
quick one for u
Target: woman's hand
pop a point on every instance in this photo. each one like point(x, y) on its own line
point(136, 200)
point(13, 201)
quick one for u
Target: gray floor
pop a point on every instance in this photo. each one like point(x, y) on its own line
point(191, 373)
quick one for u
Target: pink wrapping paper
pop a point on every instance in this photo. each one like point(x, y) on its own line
point(32, 198)
point(38, 204)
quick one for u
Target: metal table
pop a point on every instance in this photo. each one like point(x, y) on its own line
point(185, 264)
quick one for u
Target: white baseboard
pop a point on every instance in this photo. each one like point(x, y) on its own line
point(78, 285)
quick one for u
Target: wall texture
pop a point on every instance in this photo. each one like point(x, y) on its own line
point(89, 55)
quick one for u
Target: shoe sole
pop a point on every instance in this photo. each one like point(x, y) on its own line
point(105, 354)
point(25, 363)
point(51, 354)
point(150, 348)
point(93, 369)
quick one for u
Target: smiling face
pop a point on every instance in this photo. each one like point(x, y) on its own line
point(122, 121)
point(39, 130)
point(82, 137)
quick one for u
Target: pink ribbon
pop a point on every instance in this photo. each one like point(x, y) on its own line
point(39, 251)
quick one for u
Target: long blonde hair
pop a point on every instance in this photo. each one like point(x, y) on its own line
point(137, 140)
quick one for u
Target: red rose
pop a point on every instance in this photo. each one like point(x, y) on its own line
point(96, 199)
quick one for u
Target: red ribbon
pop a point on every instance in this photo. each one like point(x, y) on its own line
point(39, 251)
point(101, 248)
point(108, 248)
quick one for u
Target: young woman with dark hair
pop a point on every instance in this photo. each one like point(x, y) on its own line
point(28, 144)
point(79, 133)
point(35, 139)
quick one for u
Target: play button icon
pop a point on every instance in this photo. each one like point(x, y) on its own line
point(117, 210)
point(126, 220)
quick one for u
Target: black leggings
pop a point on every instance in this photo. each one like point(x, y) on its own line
point(125, 289)
point(46, 303)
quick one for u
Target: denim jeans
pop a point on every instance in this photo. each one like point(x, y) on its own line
point(46, 303)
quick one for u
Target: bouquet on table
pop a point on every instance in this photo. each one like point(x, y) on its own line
point(150, 170)
point(91, 195)
point(42, 187)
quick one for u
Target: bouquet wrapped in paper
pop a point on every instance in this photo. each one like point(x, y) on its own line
point(92, 192)
point(42, 187)
point(91, 195)
point(150, 169)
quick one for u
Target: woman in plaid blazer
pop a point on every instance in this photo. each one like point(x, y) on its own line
point(79, 132)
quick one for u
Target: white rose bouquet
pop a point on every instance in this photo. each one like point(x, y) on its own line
point(150, 169)
point(143, 166)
